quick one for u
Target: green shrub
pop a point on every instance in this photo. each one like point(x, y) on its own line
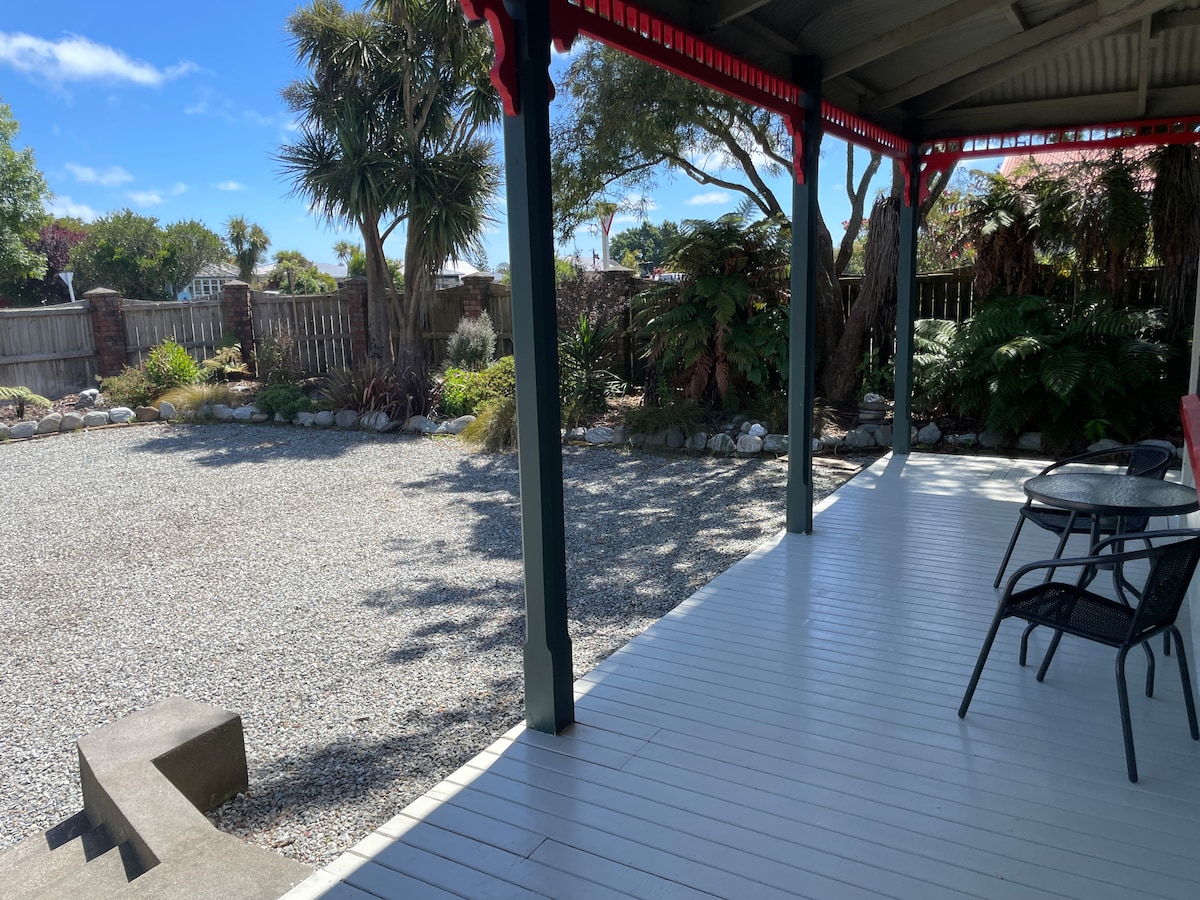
point(464, 392)
point(284, 399)
point(169, 365)
point(23, 396)
point(225, 364)
point(373, 387)
point(276, 359)
point(584, 384)
point(130, 388)
point(495, 428)
point(472, 345)
point(191, 398)
point(687, 415)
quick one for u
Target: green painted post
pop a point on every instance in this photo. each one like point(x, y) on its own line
point(549, 699)
point(906, 303)
point(803, 312)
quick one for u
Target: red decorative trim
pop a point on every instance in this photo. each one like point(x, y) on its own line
point(504, 68)
point(1189, 411)
point(1183, 130)
point(928, 167)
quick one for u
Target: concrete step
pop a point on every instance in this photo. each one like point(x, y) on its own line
point(71, 860)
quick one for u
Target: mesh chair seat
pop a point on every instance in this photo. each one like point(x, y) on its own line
point(1073, 610)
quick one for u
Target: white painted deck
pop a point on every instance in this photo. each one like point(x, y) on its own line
point(790, 731)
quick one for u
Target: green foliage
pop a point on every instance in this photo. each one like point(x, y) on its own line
point(249, 244)
point(295, 274)
point(276, 359)
point(191, 399)
point(495, 428)
point(935, 368)
point(873, 378)
point(285, 399)
point(472, 345)
point(647, 244)
point(584, 383)
point(1029, 363)
point(371, 387)
point(190, 246)
point(226, 364)
point(23, 191)
point(464, 392)
point(22, 397)
point(132, 388)
point(170, 365)
point(725, 328)
point(686, 415)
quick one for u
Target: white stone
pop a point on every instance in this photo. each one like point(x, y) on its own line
point(830, 441)
point(778, 443)
point(323, 418)
point(1030, 441)
point(49, 424)
point(859, 439)
point(817, 446)
point(90, 392)
point(305, 418)
point(970, 439)
point(280, 419)
point(601, 434)
point(883, 436)
point(720, 443)
point(756, 430)
point(166, 410)
point(23, 430)
point(987, 439)
point(745, 427)
point(657, 439)
point(375, 421)
point(676, 438)
point(71, 422)
point(620, 435)
point(95, 419)
point(146, 414)
point(637, 440)
point(222, 413)
point(120, 414)
point(419, 425)
point(575, 434)
point(259, 417)
point(930, 434)
point(749, 445)
point(245, 413)
point(698, 441)
point(345, 418)
point(459, 425)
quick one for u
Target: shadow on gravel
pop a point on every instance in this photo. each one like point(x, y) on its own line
point(216, 446)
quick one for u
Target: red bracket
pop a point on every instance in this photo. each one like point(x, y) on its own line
point(504, 68)
point(928, 166)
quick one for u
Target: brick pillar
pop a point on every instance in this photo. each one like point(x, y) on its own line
point(354, 292)
point(235, 310)
point(476, 289)
point(108, 328)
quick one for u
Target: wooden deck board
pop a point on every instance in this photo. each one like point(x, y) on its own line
point(790, 731)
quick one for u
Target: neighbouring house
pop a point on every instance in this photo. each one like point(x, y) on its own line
point(209, 280)
point(453, 272)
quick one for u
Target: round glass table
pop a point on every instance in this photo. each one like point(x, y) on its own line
point(1106, 494)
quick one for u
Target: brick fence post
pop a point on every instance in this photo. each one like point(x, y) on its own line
point(108, 330)
point(238, 316)
point(354, 292)
point(475, 294)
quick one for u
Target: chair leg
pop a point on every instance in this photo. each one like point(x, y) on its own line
point(1062, 545)
point(1025, 642)
point(1126, 724)
point(1166, 644)
point(983, 655)
point(1049, 655)
point(1012, 543)
point(1188, 700)
point(1149, 668)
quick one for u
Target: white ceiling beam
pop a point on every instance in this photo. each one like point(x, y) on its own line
point(980, 75)
point(1014, 15)
point(906, 35)
point(1143, 66)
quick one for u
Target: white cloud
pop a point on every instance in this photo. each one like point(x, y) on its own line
point(710, 198)
point(178, 188)
point(223, 108)
point(110, 177)
point(75, 58)
point(65, 206)
point(146, 198)
point(230, 186)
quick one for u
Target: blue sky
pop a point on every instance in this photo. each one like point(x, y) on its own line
point(174, 111)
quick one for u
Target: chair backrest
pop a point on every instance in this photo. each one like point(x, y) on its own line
point(1171, 570)
point(1149, 461)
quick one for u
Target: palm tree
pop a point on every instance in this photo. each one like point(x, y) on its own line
point(392, 122)
point(249, 243)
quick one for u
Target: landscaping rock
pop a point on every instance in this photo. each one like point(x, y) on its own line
point(778, 443)
point(698, 441)
point(221, 412)
point(817, 446)
point(830, 441)
point(259, 417)
point(675, 438)
point(721, 443)
point(859, 439)
point(421, 425)
point(620, 435)
point(756, 430)
point(245, 413)
point(324, 418)
point(345, 418)
point(744, 428)
point(637, 440)
point(375, 421)
point(990, 440)
point(3, 432)
point(49, 424)
point(657, 439)
point(883, 436)
point(23, 430)
point(305, 418)
point(1030, 441)
point(120, 414)
point(166, 410)
point(749, 445)
point(575, 434)
point(71, 422)
point(930, 434)
point(601, 434)
point(85, 401)
point(459, 425)
point(146, 414)
point(1108, 444)
point(95, 419)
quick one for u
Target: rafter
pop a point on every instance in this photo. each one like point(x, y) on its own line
point(1143, 66)
point(714, 15)
point(1014, 15)
point(986, 76)
point(905, 35)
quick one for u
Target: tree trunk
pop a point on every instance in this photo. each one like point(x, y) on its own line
point(830, 315)
point(379, 346)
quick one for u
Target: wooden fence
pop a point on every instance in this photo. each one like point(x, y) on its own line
point(196, 325)
point(447, 310)
point(49, 350)
point(319, 325)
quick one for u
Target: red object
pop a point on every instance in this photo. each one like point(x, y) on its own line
point(1189, 411)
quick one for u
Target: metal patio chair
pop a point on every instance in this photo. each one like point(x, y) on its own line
point(1146, 460)
point(1071, 609)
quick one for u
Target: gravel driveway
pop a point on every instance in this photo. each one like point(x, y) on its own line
point(356, 598)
